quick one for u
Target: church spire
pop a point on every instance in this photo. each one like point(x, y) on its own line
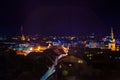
point(21, 29)
point(112, 33)
point(22, 35)
point(112, 44)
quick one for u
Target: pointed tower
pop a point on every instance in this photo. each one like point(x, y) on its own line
point(112, 34)
point(112, 44)
point(28, 39)
point(22, 35)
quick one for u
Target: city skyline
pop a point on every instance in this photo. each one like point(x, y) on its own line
point(60, 40)
point(62, 17)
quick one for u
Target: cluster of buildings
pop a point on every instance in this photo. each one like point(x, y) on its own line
point(25, 44)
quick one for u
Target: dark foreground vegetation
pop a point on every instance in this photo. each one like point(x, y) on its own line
point(33, 66)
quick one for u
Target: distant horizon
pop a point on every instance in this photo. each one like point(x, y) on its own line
point(107, 33)
point(80, 35)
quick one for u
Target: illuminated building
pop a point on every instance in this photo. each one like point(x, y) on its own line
point(39, 48)
point(28, 39)
point(23, 49)
point(112, 44)
point(22, 37)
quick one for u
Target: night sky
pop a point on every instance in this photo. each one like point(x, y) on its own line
point(68, 17)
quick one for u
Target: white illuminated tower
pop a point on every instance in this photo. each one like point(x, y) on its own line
point(112, 44)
